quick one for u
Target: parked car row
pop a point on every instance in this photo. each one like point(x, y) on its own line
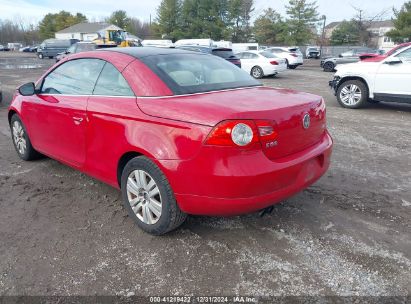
point(382, 78)
point(4, 48)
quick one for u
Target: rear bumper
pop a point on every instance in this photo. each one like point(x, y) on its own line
point(269, 70)
point(225, 185)
point(295, 61)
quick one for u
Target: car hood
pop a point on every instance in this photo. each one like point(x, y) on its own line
point(214, 107)
point(357, 68)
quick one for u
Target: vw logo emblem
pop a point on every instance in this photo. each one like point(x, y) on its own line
point(306, 121)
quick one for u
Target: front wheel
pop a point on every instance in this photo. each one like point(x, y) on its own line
point(21, 139)
point(292, 67)
point(328, 67)
point(352, 94)
point(257, 72)
point(148, 197)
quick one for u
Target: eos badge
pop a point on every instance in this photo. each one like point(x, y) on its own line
point(306, 121)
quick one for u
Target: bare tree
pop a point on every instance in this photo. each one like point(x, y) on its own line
point(364, 21)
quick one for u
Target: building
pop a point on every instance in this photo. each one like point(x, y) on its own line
point(329, 29)
point(85, 31)
point(377, 29)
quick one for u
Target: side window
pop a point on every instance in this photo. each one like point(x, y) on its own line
point(405, 56)
point(247, 55)
point(254, 56)
point(112, 83)
point(75, 77)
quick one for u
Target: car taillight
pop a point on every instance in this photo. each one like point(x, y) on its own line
point(233, 133)
point(294, 55)
point(267, 132)
point(243, 133)
point(274, 62)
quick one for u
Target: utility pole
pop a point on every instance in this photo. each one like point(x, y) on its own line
point(324, 17)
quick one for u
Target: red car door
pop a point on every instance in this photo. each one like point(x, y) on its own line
point(57, 115)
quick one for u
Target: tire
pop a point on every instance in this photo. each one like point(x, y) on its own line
point(352, 94)
point(50, 57)
point(328, 66)
point(156, 214)
point(292, 67)
point(40, 55)
point(286, 62)
point(21, 140)
point(257, 72)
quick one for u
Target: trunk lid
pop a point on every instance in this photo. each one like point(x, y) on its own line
point(286, 107)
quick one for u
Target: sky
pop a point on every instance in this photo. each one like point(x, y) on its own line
point(32, 11)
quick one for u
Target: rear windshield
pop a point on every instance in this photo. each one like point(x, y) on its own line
point(268, 55)
point(197, 73)
point(226, 54)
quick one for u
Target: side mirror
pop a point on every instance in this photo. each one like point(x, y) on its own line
point(27, 89)
point(393, 60)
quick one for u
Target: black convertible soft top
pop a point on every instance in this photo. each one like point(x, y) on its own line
point(141, 52)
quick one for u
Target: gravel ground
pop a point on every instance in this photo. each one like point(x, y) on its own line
point(64, 233)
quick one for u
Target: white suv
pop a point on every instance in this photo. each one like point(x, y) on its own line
point(388, 80)
point(292, 55)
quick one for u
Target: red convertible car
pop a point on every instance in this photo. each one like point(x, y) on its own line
point(379, 58)
point(178, 132)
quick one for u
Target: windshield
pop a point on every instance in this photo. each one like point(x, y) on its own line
point(396, 49)
point(224, 53)
point(197, 73)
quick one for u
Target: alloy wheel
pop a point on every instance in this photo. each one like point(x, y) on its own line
point(256, 72)
point(19, 138)
point(144, 197)
point(350, 95)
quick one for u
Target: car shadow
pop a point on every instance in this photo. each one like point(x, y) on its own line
point(389, 106)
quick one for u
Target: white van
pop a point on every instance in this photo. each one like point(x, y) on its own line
point(158, 43)
point(241, 47)
point(199, 42)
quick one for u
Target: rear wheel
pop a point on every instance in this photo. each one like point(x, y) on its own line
point(328, 67)
point(352, 94)
point(21, 139)
point(148, 197)
point(257, 72)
